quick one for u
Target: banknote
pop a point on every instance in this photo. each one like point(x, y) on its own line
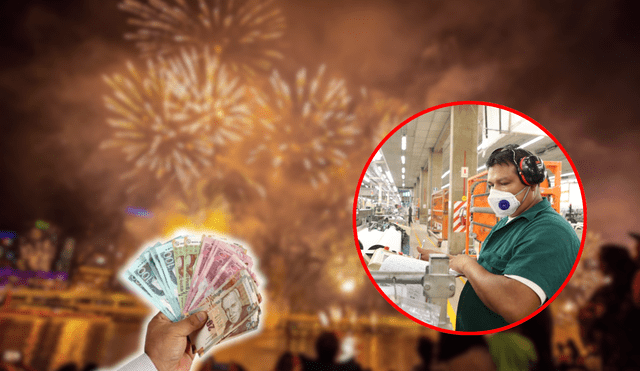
point(229, 269)
point(146, 279)
point(192, 245)
point(220, 255)
point(208, 244)
point(190, 273)
point(229, 309)
point(178, 254)
point(162, 256)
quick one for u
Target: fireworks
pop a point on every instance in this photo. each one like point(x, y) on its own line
point(244, 34)
point(377, 115)
point(174, 118)
point(306, 125)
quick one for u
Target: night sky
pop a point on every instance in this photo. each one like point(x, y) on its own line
point(570, 65)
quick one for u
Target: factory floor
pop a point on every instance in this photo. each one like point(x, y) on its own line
point(420, 237)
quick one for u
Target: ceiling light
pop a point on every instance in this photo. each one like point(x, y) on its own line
point(445, 174)
point(482, 167)
point(402, 176)
point(377, 157)
point(404, 142)
point(389, 176)
point(403, 170)
point(379, 169)
point(532, 141)
point(402, 158)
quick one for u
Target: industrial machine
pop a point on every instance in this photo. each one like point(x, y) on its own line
point(438, 284)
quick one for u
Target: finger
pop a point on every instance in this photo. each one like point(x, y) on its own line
point(160, 317)
point(189, 324)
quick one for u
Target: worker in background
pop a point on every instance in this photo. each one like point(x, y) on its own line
point(410, 212)
point(527, 255)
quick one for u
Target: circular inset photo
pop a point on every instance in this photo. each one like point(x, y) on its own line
point(469, 218)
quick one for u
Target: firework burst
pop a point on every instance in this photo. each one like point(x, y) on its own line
point(306, 125)
point(244, 34)
point(172, 119)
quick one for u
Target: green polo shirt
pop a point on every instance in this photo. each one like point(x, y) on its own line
point(539, 245)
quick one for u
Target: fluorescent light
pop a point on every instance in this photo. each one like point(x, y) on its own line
point(403, 170)
point(445, 186)
point(532, 141)
point(566, 174)
point(402, 158)
point(389, 177)
point(403, 184)
point(404, 142)
point(402, 176)
point(379, 169)
point(481, 167)
point(377, 157)
point(445, 174)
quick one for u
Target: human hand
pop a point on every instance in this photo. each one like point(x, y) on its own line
point(167, 344)
point(460, 262)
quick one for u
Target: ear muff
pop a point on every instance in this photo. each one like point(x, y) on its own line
point(531, 170)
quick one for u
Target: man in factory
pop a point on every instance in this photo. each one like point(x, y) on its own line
point(527, 255)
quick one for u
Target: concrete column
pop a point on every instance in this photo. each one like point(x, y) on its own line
point(435, 173)
point(425, 195)
point(463, 153)
point(446, 153)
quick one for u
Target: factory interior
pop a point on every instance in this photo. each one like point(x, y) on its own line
point(426, 187)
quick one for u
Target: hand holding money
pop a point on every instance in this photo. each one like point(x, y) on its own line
point(191, 274)
point(167, 344)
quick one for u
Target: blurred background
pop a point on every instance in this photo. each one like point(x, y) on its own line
point(125, 121)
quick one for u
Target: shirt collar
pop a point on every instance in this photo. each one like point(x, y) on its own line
point(535, 209)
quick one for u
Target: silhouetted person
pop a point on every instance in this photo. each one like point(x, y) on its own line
point(464, 352)
point(539, 330)
point(327, 346)
point(287, 362)
point(68, 367)
point(610, 320)
point(410, 214)
point(425, 351)
point(90, 367)
point(635, 284)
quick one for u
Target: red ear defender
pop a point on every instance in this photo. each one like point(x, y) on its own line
point(522, 177)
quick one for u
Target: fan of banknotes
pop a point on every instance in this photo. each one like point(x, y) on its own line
point(189, 274)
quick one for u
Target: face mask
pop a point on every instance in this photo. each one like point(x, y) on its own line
point(504, 203)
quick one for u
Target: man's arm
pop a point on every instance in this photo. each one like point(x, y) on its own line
point(424, 253)
point(511, 299)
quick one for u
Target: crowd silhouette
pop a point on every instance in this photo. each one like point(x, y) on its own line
point(609, 327)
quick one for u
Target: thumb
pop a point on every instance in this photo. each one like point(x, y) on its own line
point(190, 324)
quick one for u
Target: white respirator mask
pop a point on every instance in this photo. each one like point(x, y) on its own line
point(505, 203)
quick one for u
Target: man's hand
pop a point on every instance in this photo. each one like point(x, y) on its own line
point(461, 262)
point(166, 343)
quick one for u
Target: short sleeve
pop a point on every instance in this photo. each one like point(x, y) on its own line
point(545, 254)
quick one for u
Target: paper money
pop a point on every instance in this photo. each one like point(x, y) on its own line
point(208, 273)
point(163, 257)
point(179, 255)
point(192, 246)
point(144, 276)
point(221, 253)
point(230, 268)
point(228, 310)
